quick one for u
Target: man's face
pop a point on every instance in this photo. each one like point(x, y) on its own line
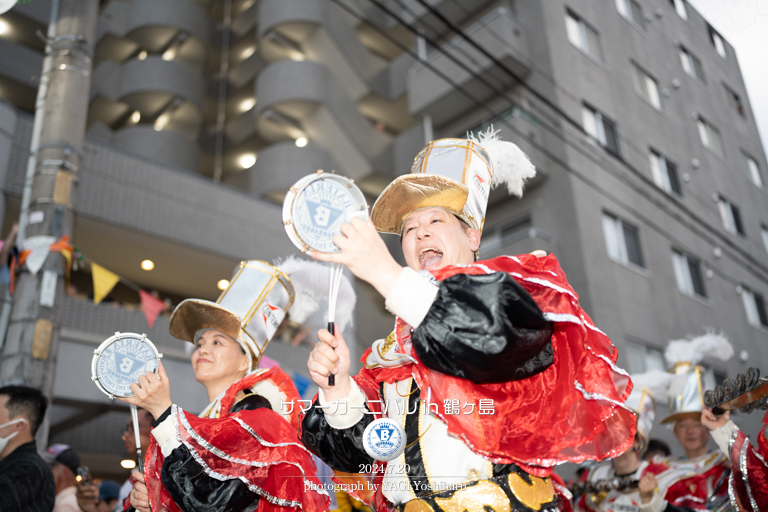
point(434, 238)
point(691, 434)
point(145, 430)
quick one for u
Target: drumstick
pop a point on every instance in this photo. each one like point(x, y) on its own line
point(335, 277)
point(135, 416)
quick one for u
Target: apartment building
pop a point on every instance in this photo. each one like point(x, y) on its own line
point(651, 188)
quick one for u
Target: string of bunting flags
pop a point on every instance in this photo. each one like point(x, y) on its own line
point(36, 249)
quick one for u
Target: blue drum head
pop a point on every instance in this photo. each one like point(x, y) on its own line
point(121, 360)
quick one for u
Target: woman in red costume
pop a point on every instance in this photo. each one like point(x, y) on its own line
point(241, 453)
point(494, 371)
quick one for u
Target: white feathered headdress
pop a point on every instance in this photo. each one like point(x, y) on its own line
point(694, 350)
point(511, 167)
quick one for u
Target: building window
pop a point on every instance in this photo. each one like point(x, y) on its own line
point(764, 232)
point(754, 304)
point(717, 42)
point(692, 65)
point(710, 137)
point(641, 358)
point(755, 176)
point(632, 11)
point(680, 8)
point(688, 275)
point(582, 36)
point(601, 129)
point(622, 241)
point(731, 216)
point(646, 86)
point(734, 100)
point(665, 174)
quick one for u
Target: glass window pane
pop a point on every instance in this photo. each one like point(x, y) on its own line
point(686, 61)
point(658, 177)
point(674, 179)
point(737, 219)
point(588, 118)
point(681, 271)
point(632, 240)
point(765, 237)
point(621, 6)
point(760, 306)
point(611, 137)
point(719, 44)
point(753, 317)
point(680, 8)
point(697, 279)
point(572, 27)
point(637, 13)
point(699, 70)
point(611, 238)
point(653, 92)
point(593, 42)
point(754, 172)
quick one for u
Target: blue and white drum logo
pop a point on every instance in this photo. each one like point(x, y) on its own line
point(122, 363)
point(384, 439)
point(319, 212)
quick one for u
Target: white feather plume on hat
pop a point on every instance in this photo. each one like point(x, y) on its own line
point(311, 282)
point(656, 381)
point(511, 166)
point(694, 350)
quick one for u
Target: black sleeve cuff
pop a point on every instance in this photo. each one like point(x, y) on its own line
point(162, 417)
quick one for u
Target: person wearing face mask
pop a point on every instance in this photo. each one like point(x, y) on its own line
point(242, 451)
point(494, 371)
point(26, 479)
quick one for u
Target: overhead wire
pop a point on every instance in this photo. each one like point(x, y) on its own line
point(565, 166)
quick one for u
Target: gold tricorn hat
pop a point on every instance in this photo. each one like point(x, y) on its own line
point(456, 175)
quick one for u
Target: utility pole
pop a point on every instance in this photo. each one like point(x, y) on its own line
point(30, 349)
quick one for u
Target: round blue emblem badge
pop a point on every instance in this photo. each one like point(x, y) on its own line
point(384, 439)
point(317, 206)
point(120, 361)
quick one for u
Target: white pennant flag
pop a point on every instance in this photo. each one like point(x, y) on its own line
point(39, 246)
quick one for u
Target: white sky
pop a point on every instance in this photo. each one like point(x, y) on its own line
point(744, 23)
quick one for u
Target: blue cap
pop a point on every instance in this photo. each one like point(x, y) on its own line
point(109, 490)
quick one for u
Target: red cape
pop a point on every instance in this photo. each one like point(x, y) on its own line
point(749, 477)
point(572, 411)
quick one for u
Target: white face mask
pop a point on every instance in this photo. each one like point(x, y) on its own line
point(4, 440)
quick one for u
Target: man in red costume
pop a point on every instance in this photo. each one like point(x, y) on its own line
point(749, 470)
point(494, 371)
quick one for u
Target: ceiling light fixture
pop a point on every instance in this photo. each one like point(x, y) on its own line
point(135, 117)
point(128, 463)
point(301, 142)
point(247, 105)
point(147, 265)
point(247, 161)
point(142, 55)
point(3, 27)
point(222, 285)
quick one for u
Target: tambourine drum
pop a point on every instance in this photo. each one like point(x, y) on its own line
point(121, 360)
point(316, 207)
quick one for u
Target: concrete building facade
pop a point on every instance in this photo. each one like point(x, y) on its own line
point(651, 188)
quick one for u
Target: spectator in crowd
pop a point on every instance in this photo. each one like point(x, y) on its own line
point(101, 498)
point(656, 447)
point(129, 438)
point(64, 467)
point(25, 479)
point(5, 254)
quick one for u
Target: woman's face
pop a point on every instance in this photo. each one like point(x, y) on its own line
point(218, 357)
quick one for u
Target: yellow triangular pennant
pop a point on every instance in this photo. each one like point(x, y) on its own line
point(103, 282)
